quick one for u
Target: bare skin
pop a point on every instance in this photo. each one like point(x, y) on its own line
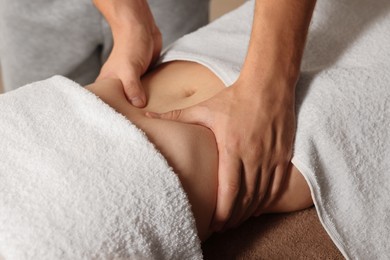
point(137, 44)
point(191, 149)
point(256, 111)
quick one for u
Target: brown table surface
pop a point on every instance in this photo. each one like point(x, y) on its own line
point(297, 235)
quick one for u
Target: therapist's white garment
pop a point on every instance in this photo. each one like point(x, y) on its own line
point(42, 38)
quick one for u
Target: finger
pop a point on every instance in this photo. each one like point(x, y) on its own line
point(192, 115)
point(276, 186)
point(253, 207)
point(246, 202)
point(229, 182)
point(234, 218)
point(264, 182)
point(277, 183)
point(104, 75)
point(134, 92)
point(266, 201)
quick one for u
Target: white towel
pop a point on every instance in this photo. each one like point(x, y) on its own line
point(79, 181)
point(342, 144)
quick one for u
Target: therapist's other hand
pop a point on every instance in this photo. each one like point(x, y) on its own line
point(137, 45)
point(254, 134)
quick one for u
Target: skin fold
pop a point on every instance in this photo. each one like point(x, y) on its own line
point(191, 149)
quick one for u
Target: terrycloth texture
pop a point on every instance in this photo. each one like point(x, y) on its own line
point(342, 144)
point(79, 181)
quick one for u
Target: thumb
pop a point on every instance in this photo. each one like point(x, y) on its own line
point(134, 92)
point(191, 115)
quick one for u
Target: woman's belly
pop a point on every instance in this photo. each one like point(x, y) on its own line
point(189, 149)
point(178, 85)
point(182, 84)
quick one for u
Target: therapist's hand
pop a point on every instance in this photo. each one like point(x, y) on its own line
point(254, 133)
point(137, 45)
point(254, 120)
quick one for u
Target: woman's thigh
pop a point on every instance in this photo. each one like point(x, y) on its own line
point(295, 194)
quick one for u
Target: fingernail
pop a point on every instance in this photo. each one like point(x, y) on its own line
point(137, 102)
point(152, 115)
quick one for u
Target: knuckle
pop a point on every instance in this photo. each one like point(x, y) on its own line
point(247, 200)
point(230, 189)
point(233, 144)
point(255, 163)
point(255, 152)
point(276, 162)
point(261, 195)
point(283, 154)
point(132, 88)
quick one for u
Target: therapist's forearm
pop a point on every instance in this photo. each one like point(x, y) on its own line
point(277, 42)
point(137, 44)
point(125, 16)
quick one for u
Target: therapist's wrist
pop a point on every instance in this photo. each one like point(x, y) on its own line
point(267, 62)
point(136, 31)
point(268, 80)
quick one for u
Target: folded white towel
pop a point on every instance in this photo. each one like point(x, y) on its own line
point(79, 181)
point(342, 144)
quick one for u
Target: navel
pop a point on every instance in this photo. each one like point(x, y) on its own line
point(188, 93)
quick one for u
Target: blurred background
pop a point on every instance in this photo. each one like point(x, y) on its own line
point(218, 8)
